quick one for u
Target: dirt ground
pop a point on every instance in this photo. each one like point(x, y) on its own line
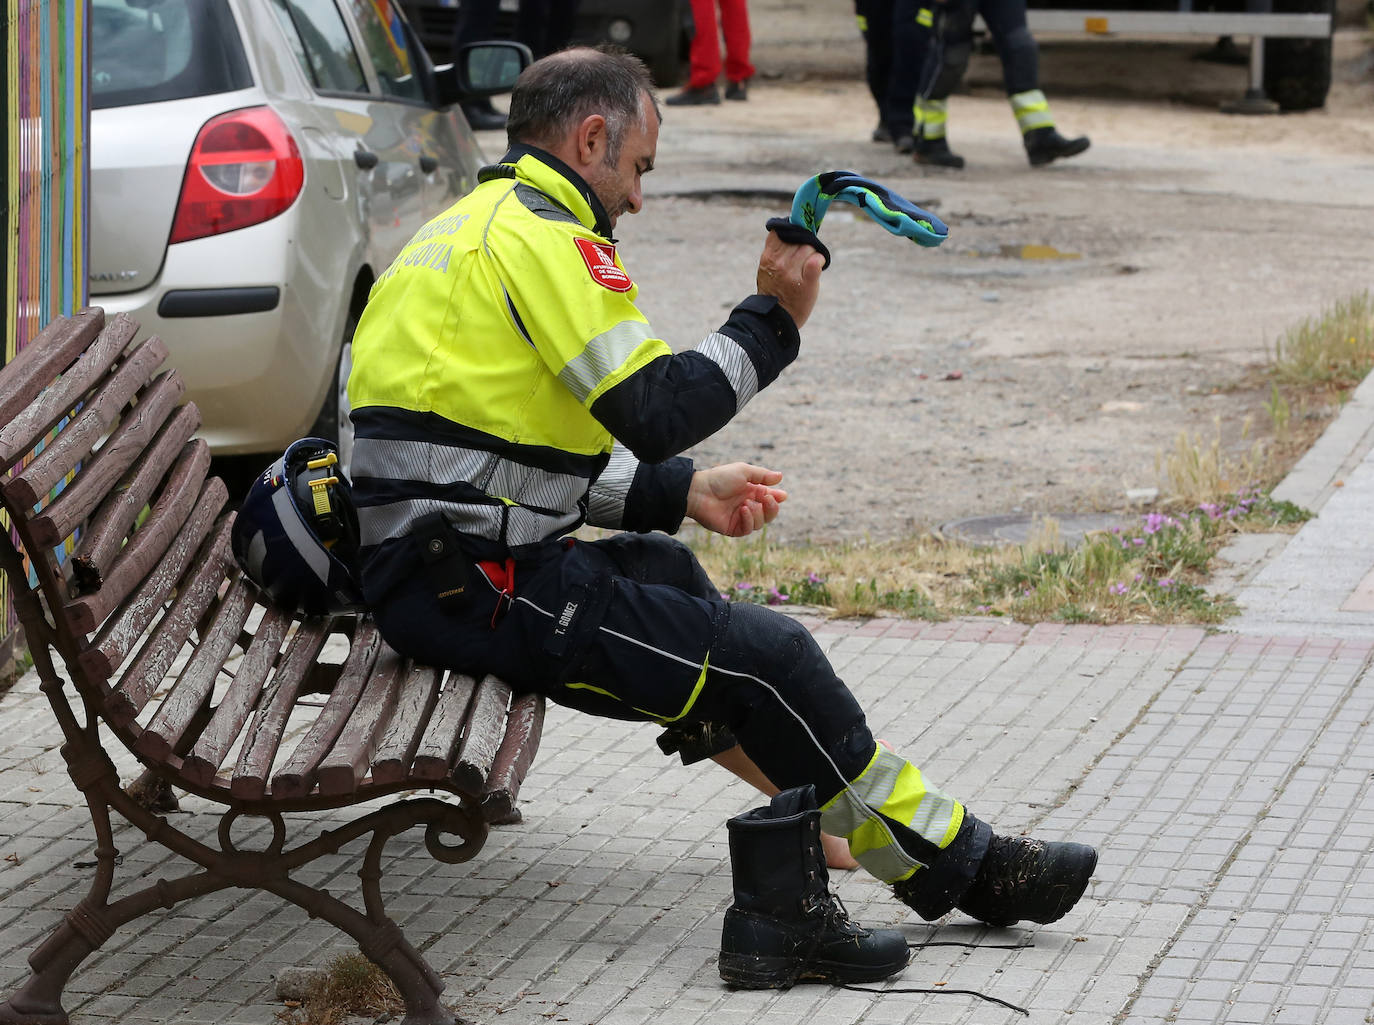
point(1078, 318)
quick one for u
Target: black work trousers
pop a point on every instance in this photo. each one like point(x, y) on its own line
point(1006, 22)
point(875, 21)
point(632, 628)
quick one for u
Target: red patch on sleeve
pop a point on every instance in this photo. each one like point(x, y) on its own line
point(600, 260)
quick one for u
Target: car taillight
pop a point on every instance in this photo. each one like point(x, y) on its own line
point(245, 168)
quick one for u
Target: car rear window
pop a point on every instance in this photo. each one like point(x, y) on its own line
point(147, 51)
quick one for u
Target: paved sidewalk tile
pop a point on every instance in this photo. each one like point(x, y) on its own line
point(605, 905)
point(1243, 800)
point(1225, 778)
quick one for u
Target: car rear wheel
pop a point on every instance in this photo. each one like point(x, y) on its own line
point(667, 58)
point(1297, 72)
point(334, 422)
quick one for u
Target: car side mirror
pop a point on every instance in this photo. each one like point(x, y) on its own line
point(481, 69)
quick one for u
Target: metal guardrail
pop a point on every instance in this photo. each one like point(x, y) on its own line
point(1199, 23)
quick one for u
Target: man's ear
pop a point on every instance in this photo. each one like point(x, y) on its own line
point(591, 139)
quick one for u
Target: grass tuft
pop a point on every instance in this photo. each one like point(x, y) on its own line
point(1150, 572)
point(351, 985)
point(1199, 470)
point(1333, 351)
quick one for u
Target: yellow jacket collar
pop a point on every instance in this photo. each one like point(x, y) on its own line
point(543, 171)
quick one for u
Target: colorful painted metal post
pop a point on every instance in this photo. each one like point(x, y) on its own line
point(47, 122)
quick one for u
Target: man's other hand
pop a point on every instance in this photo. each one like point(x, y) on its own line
point(792, 273)
point(735, 499)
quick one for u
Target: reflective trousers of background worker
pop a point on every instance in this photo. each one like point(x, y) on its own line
point(1016, 49)
point(632, 628)
point(925, 71)
point(704, 55)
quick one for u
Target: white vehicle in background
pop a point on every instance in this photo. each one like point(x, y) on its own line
point(255, 165)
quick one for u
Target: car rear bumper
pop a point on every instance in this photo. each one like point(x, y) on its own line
point(218, 302)
point(257, 356)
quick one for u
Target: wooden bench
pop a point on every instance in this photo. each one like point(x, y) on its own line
point(169, 648)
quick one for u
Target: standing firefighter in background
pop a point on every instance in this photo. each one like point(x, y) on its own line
point(939, 42)
point(505, 390)
point(875, 25)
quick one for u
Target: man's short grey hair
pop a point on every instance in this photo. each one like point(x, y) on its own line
point(555, 94)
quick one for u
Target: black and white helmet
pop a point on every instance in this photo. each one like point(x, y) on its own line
point(296, 534)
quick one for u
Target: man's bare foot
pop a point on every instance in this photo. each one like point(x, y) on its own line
point(837, 856)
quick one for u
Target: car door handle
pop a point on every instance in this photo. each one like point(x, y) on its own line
point(429, 164)
point(365, 159)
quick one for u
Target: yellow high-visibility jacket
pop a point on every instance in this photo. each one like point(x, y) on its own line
point(502, 375)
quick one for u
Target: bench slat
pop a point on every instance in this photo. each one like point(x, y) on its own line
point(419, 693)
point(195, 594)
point(485, 729)
point(345, 767)
point(118, 512)
point(106, 564)
point(197, 680)
point(263, 737)
point(99, 476)
point(122, 630)
point(524, 727)
point(78, 438)
point(32, 423)
point(224, 726)
point(297, 777)
point(445, 727)
point(52, 350)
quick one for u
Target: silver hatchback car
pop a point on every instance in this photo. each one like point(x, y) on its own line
point(255, 165)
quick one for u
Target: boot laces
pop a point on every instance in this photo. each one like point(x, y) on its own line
point(824, 904)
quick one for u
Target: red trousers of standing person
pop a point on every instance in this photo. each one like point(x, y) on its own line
point(705, 52)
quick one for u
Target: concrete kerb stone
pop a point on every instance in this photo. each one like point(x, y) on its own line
point(1303, 583)
point(619, 824)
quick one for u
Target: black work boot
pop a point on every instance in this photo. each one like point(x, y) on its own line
point(1024, 878)
point(937, 153)
point(1045, 144)
point(785, 924)
point(705, 95)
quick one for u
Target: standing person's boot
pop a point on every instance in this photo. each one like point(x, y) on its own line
point(705, 95)
point(785, 925)
point(931, 145)
point(936, 153)
point(1018, 878)
point(1043, 143)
